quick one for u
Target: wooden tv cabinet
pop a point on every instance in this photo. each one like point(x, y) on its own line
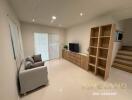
point(79, 59)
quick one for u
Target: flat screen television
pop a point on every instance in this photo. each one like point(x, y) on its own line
point(74, 47)
point(119, 36)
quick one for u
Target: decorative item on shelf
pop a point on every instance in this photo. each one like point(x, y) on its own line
point(65, 47)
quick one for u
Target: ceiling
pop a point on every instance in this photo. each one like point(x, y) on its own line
point(66, 11)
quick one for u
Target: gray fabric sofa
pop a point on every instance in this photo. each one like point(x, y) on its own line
point(32, 78)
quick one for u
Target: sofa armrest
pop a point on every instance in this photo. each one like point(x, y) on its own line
point(32, 78)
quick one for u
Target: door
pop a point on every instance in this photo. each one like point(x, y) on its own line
point(41, 45)
point(53, 46)
point(47, 45)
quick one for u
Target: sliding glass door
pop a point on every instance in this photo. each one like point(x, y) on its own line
point(41, 45)
point(53, 46)
point(47, 45)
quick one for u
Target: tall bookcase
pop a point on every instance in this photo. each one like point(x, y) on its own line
point(100, 50)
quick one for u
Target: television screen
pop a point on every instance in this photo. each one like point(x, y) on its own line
point(71, 46)
point(119, 36)
point(74, 47)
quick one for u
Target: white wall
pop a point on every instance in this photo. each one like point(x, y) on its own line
point(8, 68)
point(127, 29)
point(28, 30)
point(81, 33)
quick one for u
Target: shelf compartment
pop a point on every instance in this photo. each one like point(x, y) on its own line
point(92, 60)
point(101, 63)
point(100, 72)
point(91, 68)
point(106, 30)
point(95, 32)
point(104, 42)
point(92, 51)
point(94, 42)
point(103, 53)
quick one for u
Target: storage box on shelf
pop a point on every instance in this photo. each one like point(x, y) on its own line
point(100, 50)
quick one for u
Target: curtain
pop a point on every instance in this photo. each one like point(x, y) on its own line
point(47, 45)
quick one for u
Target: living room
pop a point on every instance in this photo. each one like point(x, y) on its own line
point(60, 38)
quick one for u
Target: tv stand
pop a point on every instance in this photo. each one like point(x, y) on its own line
point(79, 59)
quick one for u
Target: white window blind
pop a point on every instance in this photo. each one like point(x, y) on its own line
point(53, 46)
point(41, 45)
point(47, 45)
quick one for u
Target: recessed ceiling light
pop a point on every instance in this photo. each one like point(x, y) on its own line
point(53, 17)
point(33, 20)
point(81, 14)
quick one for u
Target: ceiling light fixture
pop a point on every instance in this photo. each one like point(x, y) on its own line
point(81, 14)
point(33, 20)
point(54, 17)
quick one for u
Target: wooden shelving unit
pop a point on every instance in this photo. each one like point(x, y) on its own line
point(100, 50)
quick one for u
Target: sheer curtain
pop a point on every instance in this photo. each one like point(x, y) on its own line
point(53, 46)
point(41, 45)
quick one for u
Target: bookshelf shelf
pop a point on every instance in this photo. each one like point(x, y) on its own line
point(105, 36)
point(103, 48)
point(101, 68)
point(102, 58)
point(92, 55)
point(93, 47)
point(92, 65)
point(94, 37)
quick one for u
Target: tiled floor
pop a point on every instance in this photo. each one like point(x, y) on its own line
point(69, 82)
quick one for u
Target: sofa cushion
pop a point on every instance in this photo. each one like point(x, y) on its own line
point(37, 58)
point(28, 65)
point(38, 64)
point(29, 59)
